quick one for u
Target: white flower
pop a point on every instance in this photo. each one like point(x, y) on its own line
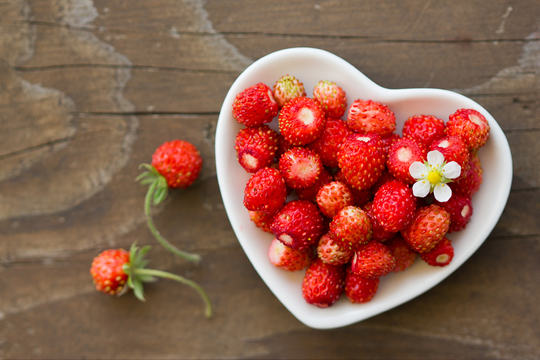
point(433, 175)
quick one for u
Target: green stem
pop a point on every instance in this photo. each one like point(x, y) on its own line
point(192, 284)
point(167, 245)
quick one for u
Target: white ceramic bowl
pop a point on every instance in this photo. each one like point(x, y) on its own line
point(309, 66)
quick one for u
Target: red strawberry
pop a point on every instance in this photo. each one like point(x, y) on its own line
point(368, 116)
point(358, 289)
point(383, 179)
point(256, 147)
point(262, 220)
point(351, 227)
point(265, 191)
point(331, 97)
point(301, 120)
point(460, 209)
point(429, 226)
point(424, 129)
point(330, 251)
point(378, 233)
point(288, 258)
point(400, 157)
point(298, 224)
point(394, 206)
point(323, 283)
point(333, 197)
point(373, 260)
point(453, 149)
point(179, 162)
point(300, 167)
point(404, 254)
point(310, 193)
point(470, 125)
point(361, 160)
point(283, 146)
point(469, 184)
point(329, 142)
point(175, 164)
point(287, 88)
point(107, 272)
point(255, 106)
point(441, 255)
point(113, 269)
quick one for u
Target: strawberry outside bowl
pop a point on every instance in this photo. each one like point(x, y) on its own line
point(310, 65)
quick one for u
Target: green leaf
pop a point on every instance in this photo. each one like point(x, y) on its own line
point(138, 290)
point(159, 195)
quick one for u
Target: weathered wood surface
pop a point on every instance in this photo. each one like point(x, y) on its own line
point(88, 90)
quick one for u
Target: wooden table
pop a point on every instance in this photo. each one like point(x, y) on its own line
point(89, 89)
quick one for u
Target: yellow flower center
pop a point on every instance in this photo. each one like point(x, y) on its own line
point(434, 177)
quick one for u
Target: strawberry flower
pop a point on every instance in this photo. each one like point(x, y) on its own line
point(433, 175)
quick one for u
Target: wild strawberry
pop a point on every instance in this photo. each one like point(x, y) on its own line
point(255, 106)
point(394, 206)
point(358, 289)
point(329, 142)
point(310, 193)
point(283, 146)
point(469, 184)
point(441, 255)
point(287, 88)
point(460, 209)
point(179, 162)
point(256, 147)
point(361, 160)
point(429, 226)
point(333, 197)
point(298, 224)
point(404, 254)
point(471, 126)
point(262, 220)
point(331, 97)
point(175, 164)
point(351, 227)
point(265, 191)
point(330, 251)
point(108, 273)
point(400, 157)
point(288, 258)
point(114, 271)
point(323, 283)
point(300, 167)
point(424, 129)
point(378, 233)
point(453, 149)
point(368, 116)
point(373, 260)
point(301, 120)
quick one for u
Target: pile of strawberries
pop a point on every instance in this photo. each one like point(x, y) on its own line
point(338, 195)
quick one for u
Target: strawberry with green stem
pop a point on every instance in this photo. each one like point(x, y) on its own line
point(113, 269)
point(175, 164)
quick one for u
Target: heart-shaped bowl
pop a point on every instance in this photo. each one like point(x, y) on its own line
point(309, 66)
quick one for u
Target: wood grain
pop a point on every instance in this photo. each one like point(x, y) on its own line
point(89, 89)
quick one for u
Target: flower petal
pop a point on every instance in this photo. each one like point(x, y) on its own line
point(442, 192)
point(418, 170)
point(435, 158)
point(421, 188)
point(451, 170)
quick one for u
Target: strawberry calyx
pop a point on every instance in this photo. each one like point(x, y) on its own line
point(156, 194)
point(137, 274)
